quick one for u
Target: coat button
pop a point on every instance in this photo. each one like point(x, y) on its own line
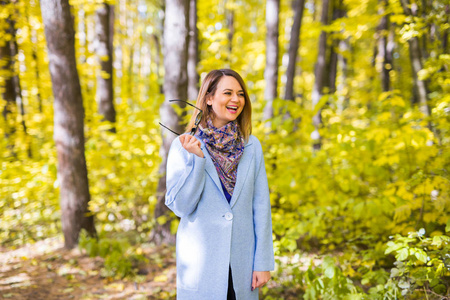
point(228, 216)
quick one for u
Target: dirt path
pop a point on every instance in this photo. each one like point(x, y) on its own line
point(45, 270)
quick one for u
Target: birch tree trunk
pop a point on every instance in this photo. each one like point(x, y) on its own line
point(176, 29)
point(104, 36)
point(68, 121)
point(272, 52)
point(193, 77)
point(320, 70)
point(294, 43)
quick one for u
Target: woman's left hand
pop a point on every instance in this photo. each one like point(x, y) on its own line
point(260, 278)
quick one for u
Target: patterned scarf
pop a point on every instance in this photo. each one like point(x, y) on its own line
point(225, 145)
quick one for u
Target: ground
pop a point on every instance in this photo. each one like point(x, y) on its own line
point(45, 270)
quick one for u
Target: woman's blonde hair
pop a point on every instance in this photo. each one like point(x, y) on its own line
point(208, 89)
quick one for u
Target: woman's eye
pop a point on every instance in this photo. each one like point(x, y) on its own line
point(227, 93)
point(241, 95)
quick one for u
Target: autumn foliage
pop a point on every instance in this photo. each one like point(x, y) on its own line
point(363, 216)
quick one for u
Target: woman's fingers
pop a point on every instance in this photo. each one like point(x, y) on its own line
point(191, 144)
point(259, 279)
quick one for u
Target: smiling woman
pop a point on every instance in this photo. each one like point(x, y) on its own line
point(217, 185)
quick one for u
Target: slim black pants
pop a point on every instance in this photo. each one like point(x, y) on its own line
point(231, 295)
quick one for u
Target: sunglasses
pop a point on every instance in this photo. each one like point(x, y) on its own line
point(198, 118)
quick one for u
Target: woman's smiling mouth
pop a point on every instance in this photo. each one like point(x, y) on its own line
point(232, 109)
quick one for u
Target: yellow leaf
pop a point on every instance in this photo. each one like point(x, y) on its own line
point(116, 286)
point(160, 278)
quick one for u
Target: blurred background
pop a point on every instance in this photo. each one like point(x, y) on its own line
point(351, 102)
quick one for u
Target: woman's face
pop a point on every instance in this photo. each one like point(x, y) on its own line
point(227, 102)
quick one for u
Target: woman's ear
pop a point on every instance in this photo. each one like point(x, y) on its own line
point(209, 100)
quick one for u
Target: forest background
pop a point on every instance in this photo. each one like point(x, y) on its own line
point(351, 102)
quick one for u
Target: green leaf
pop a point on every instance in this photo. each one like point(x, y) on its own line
point(402, 254)
point(421, 255)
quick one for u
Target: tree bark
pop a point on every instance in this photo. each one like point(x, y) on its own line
point(320, 70)
point(294, 43)
point(176, 30)
point(272, 52)
point(68, 121)
point(193, 77)
point(104, 36)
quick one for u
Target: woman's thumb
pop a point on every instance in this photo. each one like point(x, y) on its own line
point(254, 281)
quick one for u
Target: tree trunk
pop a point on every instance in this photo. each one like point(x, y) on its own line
point(68, 121)
point(193, 77)
point(158, 62)
point(424, 13)
point(445, 37)
point(176, 27)
point(7, 69)
point(34, 39)
point(104, 34)
point(272, 52)
point(320, 70)
point(416, 63)
point(8, 87)
point(230, 25)
point(16, 81)
point(343, 100)
point(332, 66)
point(294, 43)
point(384, 58)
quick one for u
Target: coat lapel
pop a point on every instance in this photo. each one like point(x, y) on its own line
point(211, 169)
point(241, 173)
point(243, 167)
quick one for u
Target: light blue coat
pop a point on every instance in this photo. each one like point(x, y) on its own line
point(213, 233)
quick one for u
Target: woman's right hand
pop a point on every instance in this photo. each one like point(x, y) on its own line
point(191, 144)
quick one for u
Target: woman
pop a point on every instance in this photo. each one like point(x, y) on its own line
point(217, 185)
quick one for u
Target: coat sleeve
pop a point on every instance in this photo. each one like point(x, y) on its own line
point(185, 179)
point(262, 219)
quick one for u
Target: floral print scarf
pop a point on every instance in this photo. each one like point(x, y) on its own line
point(225, 145)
